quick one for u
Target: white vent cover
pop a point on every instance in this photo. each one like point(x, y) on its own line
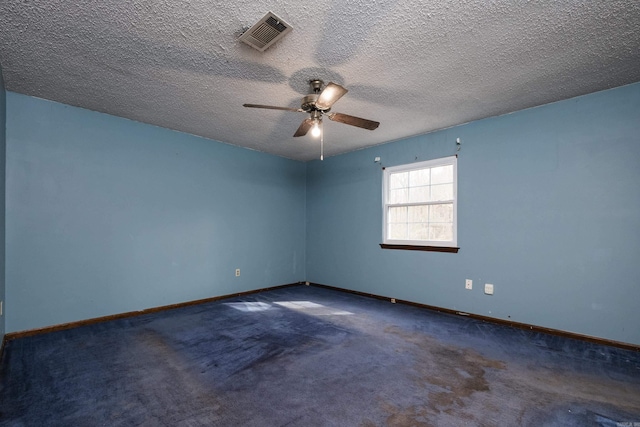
point(265, 32)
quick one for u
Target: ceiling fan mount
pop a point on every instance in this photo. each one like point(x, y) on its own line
point(317, 104)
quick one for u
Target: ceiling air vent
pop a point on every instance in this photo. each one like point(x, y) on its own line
point(265, 32)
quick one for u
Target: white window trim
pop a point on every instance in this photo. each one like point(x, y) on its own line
point(452, 160)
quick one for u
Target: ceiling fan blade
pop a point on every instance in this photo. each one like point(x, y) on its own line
point(304, 127)
point(353, 121)
point(329, 96)
point(271, 107)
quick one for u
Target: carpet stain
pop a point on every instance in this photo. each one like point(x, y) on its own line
point(459, 371)
point(177, 385)
point(412, 416)
point(451, 374)
point(454, 380)
point(548, 387)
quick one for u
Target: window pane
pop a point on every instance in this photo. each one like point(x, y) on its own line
point(441, 213)
point(442, 174)
point(419, 177)
point(399, 196)
point(399, 180)
point(441, 232)
point(420, 203)
point(418, 194)
point(418, 214)
point(441, 192)
point(397, 215)
point(418, 231)
point(398, 231)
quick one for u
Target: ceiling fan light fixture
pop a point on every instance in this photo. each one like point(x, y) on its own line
point(329, 95)
point(315, 129)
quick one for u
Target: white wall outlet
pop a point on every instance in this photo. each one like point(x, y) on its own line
point(488, 288)
point(393, 300)
point(468, 284)
point(237, 272)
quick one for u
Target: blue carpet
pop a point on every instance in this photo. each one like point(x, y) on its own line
point(305, 356)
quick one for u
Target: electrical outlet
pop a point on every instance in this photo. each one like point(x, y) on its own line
point(488, 288)
point(237, 272)
point(468, 284)
point(393, 300)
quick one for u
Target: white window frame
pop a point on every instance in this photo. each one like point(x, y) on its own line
point(452, 160)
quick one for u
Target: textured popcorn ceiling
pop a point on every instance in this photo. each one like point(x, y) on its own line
point(413, 65)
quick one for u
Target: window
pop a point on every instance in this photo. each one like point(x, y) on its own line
point(420, 205)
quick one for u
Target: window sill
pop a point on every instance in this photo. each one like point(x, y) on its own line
point(421, 248)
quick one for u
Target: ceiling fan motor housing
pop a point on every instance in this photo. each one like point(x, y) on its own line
point(309, 102)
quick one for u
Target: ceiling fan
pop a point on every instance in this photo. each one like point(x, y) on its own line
point(318, 103)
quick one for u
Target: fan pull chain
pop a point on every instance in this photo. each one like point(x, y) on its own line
point(321, 140)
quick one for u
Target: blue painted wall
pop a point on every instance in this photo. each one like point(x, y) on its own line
point(106, 215)
point(3, 145)
point(549, 212)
